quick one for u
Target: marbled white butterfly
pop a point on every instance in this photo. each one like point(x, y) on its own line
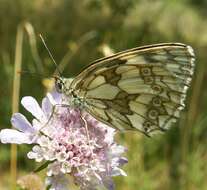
point(140, 89)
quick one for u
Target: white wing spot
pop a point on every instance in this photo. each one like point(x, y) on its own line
point(124, 68)
point(96, 82)
point(105, 91)
point(138, 60)
point(136, 121)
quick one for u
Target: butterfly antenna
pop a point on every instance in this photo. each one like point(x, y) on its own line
point(50, 54)
point(34, 74)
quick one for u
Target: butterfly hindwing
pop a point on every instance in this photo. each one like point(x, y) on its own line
point(139, 89)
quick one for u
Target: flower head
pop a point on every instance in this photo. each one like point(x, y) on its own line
point(71, 141)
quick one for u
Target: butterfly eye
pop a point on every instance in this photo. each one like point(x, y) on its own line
point(59, 86)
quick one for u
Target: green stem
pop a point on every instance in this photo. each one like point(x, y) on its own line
point(15, 100)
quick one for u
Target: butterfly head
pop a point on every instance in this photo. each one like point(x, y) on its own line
point(62, 85)
point(59, 84)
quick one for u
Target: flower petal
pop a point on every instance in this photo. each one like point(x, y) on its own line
point(122, 161)
point(57, 97)
point(108, 183)
point(14, 137)
point(57, 182)
point(117, 171)
point(46, 106)
point(33, 107)
point(117, 150)
point(20, 122)
point(51, 99)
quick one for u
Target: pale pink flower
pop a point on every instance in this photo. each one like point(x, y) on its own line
point(71, 141)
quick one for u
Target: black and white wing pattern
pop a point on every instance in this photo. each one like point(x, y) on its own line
point(139, 89)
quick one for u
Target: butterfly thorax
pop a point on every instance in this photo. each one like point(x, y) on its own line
point(63, 86)
point(74, 100)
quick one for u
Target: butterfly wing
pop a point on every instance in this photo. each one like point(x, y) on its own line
point(139, 89)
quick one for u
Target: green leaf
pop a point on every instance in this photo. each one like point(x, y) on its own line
point(48, 187)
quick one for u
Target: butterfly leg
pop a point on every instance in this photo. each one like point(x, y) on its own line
point(52, 113)
point(87, 131)
point(89, 142)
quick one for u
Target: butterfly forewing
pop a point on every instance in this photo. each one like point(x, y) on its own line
point(139, 89)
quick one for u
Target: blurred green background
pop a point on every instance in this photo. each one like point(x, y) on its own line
point(78, 32)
